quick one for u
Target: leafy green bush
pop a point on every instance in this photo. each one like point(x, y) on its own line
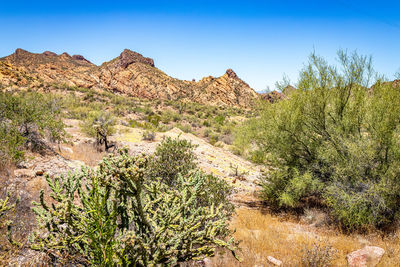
point(116, 216)
point(26, 119)
point(220, 119)
point(333, 139)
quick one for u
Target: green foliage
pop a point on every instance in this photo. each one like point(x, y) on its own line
point(213, 138)
point(149, 136)
point(154, 120)
point(99, 121)
point(172, 157)
point(334, 139)
point(26, 119)
point(184, 127)
point(257, 156)
point(6, 222)
point(220, 119)
point(115, 215)
point(4, 208)
point(286, 187)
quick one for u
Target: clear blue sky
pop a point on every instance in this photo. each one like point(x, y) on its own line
point(260, 40)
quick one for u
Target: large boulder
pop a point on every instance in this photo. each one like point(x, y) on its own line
point(367, 256)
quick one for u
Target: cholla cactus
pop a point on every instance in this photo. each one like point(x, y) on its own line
point(6, 222)
point(115, 216)
point(5, 206)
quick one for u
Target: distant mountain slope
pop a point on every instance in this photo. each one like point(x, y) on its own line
point(130, 74)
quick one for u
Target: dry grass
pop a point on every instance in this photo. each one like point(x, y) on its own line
point(264, 235)
point(84, 152)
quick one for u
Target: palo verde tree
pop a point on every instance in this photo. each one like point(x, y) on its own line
point(334, 140)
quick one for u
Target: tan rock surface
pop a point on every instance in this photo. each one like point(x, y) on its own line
point(130, 73)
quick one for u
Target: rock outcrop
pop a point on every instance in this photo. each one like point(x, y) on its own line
point(130, 73)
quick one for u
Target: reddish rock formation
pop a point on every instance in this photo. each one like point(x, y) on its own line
point(396, 83)
point(273, 96)
point(130, 73)
point(79, 57)
point(49, 53)
point(231, 73)
point(65, 54)
point(128, 57)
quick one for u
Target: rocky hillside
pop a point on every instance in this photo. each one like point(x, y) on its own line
point(130, 73)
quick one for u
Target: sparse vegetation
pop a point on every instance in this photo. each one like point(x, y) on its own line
point(6, 235)
point(317, 254)
point(101, 126)
point(149, 136)
point(26, 120)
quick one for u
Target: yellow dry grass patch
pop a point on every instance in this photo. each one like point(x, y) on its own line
point(84, 152)
point(130, 135)
point(264, 235)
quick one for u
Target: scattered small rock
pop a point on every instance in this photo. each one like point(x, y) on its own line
point(367, 256)
point(274, 261)
point(39, 172)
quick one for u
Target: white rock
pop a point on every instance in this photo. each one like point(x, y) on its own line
point(274, 261)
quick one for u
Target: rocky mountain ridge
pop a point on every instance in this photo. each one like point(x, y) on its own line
point(130, 73)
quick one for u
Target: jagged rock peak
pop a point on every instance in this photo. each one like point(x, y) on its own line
point(65, 54)
point(128, 57)
point(81, 58)
point(49, 53)
point(20, 51)
point(231, 73)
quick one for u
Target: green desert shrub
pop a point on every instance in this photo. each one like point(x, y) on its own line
point(154, 120)
point(26, 120)
point(213, 138)
point(334, 139)
point(148, 136)
point(173, 156)
point(117, 216)
point(187, 128)
point(219, 119)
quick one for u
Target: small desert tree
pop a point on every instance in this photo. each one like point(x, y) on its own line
point(334, 140)
point(115, 215)
point(100, 124)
